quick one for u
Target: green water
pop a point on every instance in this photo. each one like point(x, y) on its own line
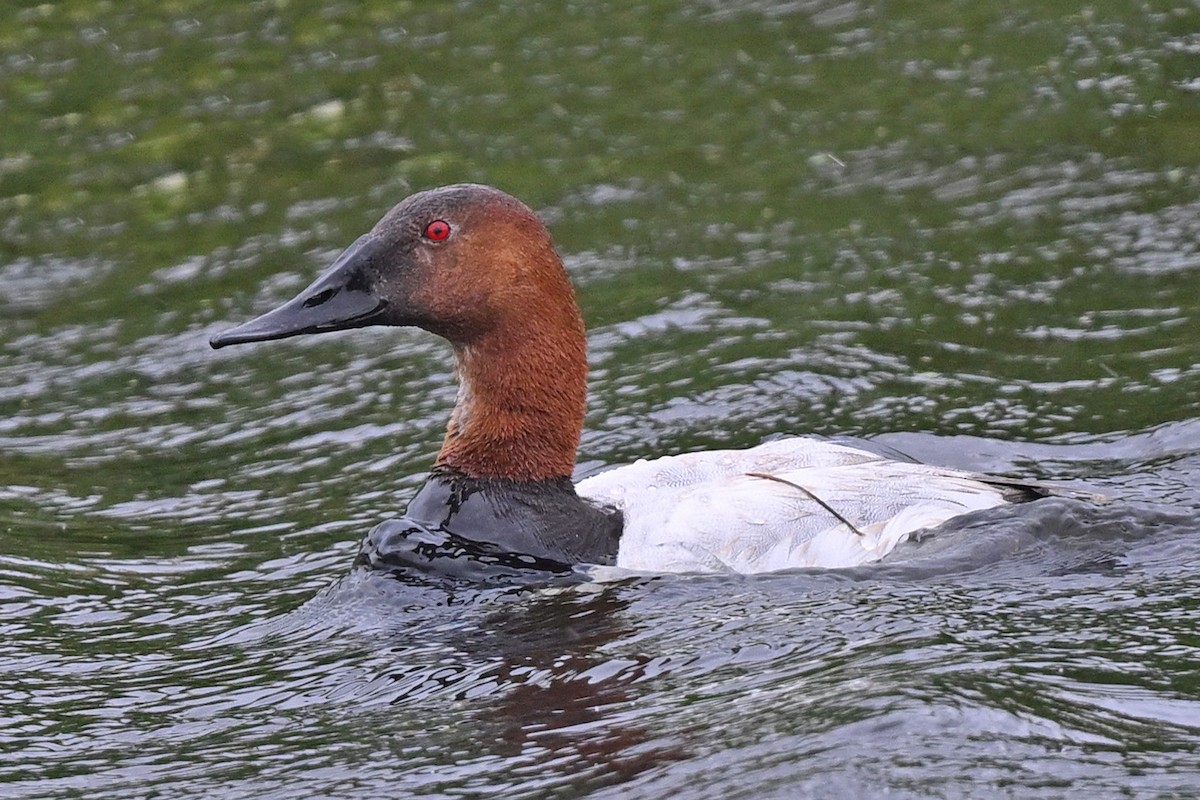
point(969, 229)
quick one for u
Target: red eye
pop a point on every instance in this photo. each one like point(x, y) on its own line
point(438, 230)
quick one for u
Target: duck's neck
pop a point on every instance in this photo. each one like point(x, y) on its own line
point(521, 399)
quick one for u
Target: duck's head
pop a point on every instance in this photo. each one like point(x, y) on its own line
point(455, 261)
point(477, 267)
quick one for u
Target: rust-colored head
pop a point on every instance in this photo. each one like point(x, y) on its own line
point(477, 267)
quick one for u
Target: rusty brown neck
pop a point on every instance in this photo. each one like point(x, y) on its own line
point(521, 400)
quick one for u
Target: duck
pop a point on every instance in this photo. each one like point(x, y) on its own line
point(477, 267)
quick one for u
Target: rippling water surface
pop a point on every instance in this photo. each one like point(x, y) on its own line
point(971, 231)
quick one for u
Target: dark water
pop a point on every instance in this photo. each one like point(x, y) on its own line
point(970, 230)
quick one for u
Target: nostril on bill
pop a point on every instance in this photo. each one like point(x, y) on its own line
point(320, 297)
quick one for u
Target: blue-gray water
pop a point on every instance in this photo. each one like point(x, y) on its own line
point(971, 231)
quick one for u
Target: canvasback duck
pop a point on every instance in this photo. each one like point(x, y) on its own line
point(477, 267)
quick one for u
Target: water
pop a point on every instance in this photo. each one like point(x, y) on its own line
point(970, 231)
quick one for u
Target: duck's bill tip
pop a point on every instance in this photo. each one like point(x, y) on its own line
point(240, 335)
point(251, 331)
point(219, 340)
point(287, 320)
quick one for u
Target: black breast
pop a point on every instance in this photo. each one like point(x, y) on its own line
point(480, 529)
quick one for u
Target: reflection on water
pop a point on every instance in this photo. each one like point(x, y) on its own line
point(968, 231)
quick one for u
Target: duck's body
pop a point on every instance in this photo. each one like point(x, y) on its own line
point(477, 267)
point(788, 503)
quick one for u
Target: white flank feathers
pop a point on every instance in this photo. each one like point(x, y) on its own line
point(784, 504)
